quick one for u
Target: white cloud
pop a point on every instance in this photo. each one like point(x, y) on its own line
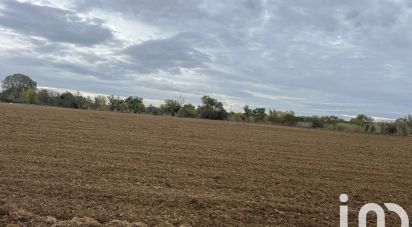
point(65, 5)
point(272, 97)
point(126, 28)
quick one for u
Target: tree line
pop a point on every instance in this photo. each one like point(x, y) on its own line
point(19, 88)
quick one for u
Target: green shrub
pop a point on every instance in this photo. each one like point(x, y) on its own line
point(304, 124)
point(187, 110)
point(212, 109)
point(346, 127)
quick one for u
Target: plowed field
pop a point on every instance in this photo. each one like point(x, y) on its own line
point(70, 163)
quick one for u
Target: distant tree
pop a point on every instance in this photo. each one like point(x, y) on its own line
point(362, 120)
point(67, 100)
point(100, 103)
point(409, 123)
point(236, 116)
point(282, 117)
point(15, 85)
point(248, 112)
point(388, 128)
point(90, 103)
point(82, 102)
point(30, 96)
point(332, 121)
point(289, 118)
point(44, 97)
point(274, 117)
point(212, 109)
point(373, 129)
point(170, 107)
point(187, 110)
point(135, 104)
point(402, 126)
point(317, 122)
point(153, 110)
point(259, 114)
point(115, 103)
point(123, 107)
point(54, 98)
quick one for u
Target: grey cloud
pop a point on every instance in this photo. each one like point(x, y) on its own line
point(341, 57)
point(167, 54)
point(158, 12)
point(52, 23)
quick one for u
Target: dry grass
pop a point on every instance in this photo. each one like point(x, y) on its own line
point(137, 168)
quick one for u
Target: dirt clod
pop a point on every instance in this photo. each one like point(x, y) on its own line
point(3, 211)
point(164, 225)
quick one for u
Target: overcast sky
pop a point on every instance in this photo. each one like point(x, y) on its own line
point(314, 57)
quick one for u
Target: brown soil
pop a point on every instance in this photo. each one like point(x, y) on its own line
point(107, 166)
